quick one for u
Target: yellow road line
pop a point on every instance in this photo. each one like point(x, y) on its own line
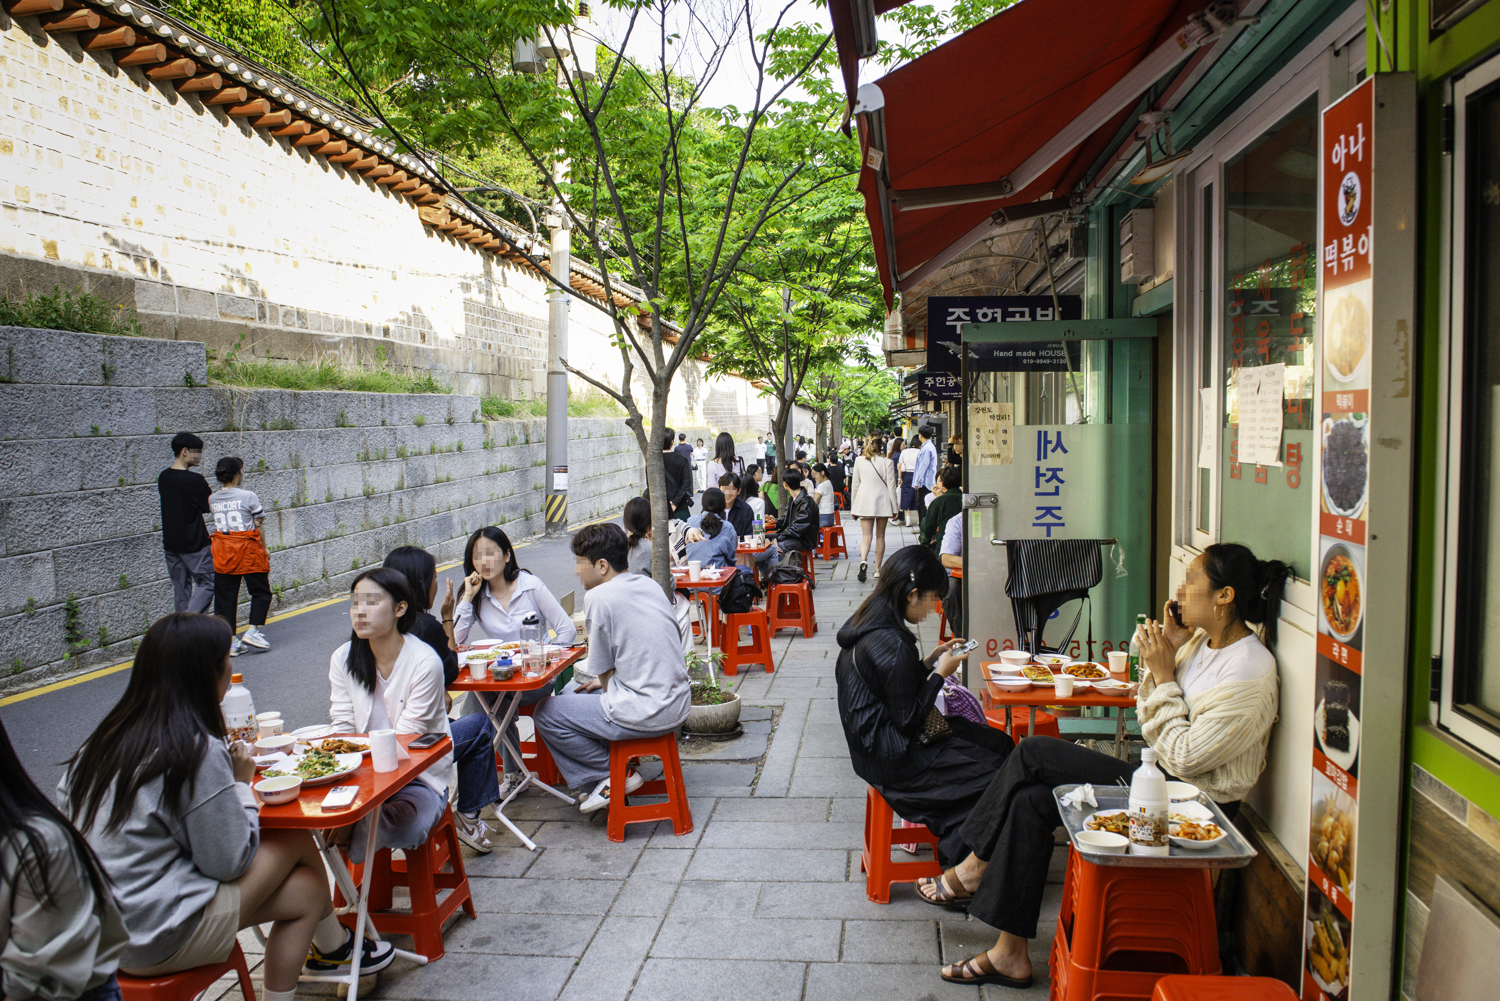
point(105, 672)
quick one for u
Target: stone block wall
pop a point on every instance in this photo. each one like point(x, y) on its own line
point(85, 423)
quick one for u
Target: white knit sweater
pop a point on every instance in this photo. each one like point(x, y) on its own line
point(1219, 742)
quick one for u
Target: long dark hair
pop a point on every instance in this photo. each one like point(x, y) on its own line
point(512, 568)
point(637, 519)
point(22, 804)
point(394, 583)
point(910, 569)
point(162, 724)
point(1258, 584)
point(724, 451)
point(418, 566)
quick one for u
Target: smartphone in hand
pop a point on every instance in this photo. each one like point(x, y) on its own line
point(964, 648)
point(1176, 611)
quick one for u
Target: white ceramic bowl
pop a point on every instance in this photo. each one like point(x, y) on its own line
point(1013, 682)
point(1178, 792)
point(280, 789)
point(1053, 659)
point(315, 732)
point(1015, 658)
point(1191, 810)
point(1192, 845)
point(1102, 842)
point(270, 745)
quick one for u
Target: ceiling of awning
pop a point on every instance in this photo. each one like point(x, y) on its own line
point(975, 108)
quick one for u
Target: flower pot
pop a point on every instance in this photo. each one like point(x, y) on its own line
point(714, 719)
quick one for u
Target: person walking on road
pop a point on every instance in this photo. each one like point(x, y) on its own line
point(239, 554)
point(925, 473)
point(876, 491)
point(725, 460)
point(679, 470)
point(700, 471)
point(906, 465)
point(184, 502)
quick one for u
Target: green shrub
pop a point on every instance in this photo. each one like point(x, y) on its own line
point(325, 374)
point(64, 309)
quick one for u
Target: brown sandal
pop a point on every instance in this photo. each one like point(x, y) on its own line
point(979, 970)
point(942, 892)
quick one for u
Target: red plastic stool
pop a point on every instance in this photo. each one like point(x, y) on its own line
point(1046, 723)
point(1183, 988)
point(943, 634)
point(1120, 930)
point(421, 873)
point(832, 545)
point(670, 785)
point(791, 607)
point(538, 758)
point(188, 984)
point(880, 835)
point(806, 559)
point(757, 651)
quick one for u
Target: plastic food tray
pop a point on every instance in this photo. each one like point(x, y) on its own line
point(1234, 852)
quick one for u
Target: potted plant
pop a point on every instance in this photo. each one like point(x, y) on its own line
point(715, 708)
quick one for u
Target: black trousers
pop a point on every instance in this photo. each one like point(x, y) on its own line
point(1011, 826)
point(227, 596)
point(922, 494)
point(953, 607)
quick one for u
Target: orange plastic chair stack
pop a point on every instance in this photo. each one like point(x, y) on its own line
point(1182, 988)
point(1120, 930)
point(832, 545)
point(757, 651)
point(188, 984)
point(675, 809)
point(791, 607)
point(880, 834)
point(421, 873)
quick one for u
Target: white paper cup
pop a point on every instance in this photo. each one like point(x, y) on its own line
point(695, 570)
point(383, 754)
point(1063, 685)
point(269, 724)
point(479, 669)
point(1119, 661)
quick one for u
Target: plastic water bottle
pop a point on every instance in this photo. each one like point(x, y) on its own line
point(238, 708)
point(531, 632)
point(1148, 808)
point(1135, 648)
point(757, 529)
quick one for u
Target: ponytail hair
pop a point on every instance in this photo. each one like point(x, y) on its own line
point(637, 519)
point(1258, 584)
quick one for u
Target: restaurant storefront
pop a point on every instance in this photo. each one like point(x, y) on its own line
point(1299, 212)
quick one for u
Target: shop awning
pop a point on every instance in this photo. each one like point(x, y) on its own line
point(1010, 116)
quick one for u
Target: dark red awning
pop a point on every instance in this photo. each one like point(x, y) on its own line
point(974, 109)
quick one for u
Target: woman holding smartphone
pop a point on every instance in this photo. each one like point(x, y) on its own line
point(383, 679)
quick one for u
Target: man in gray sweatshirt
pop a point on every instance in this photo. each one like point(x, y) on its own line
point(635, 652)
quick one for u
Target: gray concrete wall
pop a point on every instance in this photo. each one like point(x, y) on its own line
point(85, 423)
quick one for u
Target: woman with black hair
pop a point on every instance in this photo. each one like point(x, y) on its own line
point(637, 520)
point(725, 460)
point(61, 932)
point(1206, 708)
point(473, 736)
point(498, 595)
point(888, 691)
point(166, 805)
point(384, 680)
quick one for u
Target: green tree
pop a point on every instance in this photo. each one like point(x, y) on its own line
point(665, 195)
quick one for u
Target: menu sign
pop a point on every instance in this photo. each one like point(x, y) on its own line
point(946, 316)
point(1345, 262)
point(991, 430)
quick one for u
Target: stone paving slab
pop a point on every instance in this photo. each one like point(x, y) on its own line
point(729, 980)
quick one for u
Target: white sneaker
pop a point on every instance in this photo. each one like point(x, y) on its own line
point(253, 637)
point(599, 798)
point(236, 648)
point(473, 833)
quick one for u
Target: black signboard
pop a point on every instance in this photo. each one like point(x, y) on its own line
point(939, 386)
point(946, 314)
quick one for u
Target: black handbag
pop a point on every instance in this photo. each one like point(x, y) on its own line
point(738, 594)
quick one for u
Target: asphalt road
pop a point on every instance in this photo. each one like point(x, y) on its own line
point(291, 677)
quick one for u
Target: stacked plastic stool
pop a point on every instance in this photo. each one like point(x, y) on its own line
point(1121, 929)
point(1181, 988)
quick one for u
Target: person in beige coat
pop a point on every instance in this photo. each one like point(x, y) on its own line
point(874, 499)
point(1207, 708)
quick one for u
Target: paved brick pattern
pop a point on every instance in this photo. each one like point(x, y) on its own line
point(764, 901)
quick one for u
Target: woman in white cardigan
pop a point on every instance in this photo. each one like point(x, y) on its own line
point(1206, 707)
point(875, 497)
point(384, 679)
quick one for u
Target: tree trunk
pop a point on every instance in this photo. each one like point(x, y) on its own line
point(820, 434)
point(836, 421)
point(656, 480)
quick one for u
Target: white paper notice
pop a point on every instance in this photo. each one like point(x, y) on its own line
point(991, 426)
point(1210, 429)
point(1261, 414)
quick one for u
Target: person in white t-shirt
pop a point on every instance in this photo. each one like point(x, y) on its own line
point(824, 492)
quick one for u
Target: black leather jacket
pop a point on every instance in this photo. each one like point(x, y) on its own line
point(799, 527)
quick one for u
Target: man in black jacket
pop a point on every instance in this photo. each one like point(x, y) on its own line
point(679, 470)
point(798, 527)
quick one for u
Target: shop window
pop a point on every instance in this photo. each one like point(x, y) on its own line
point(1268, 302)
point(1470, 696)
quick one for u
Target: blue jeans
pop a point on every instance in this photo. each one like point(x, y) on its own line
point(107, 991)
point(474, 758)
point(405, 820)
point(826, 520)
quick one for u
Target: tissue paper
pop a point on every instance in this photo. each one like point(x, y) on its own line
point(1076, 798)
point(384, 750)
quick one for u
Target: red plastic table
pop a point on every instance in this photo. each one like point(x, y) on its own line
point(306, 813)
point(747, 553)
point(703, 590)
point(1041, 695)
point(502, 713)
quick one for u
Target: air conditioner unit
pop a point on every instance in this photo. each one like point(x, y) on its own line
point(1138, 246)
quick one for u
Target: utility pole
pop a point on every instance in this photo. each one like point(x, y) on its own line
point(558, 302)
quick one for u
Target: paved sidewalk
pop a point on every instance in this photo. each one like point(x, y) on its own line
point(763, 901)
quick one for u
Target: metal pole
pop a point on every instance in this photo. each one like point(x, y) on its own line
point(558, 301)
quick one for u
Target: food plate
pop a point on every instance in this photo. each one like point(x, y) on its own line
point(1347, 335)
point(1344, 759)
point(1194, 845)
point(1346, 463)
point(1053, 659)
point(1335, 990)
point(1037, 675)
point(1190, 810)
point(360, 740)
point(1340, 592)
point(1086, 671)
point(347, 764)
point(1011, 682)
point(1101, 820)
point(1111, 685)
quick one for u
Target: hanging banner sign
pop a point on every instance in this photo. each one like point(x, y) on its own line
point(946, 316)
point(937, 386)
